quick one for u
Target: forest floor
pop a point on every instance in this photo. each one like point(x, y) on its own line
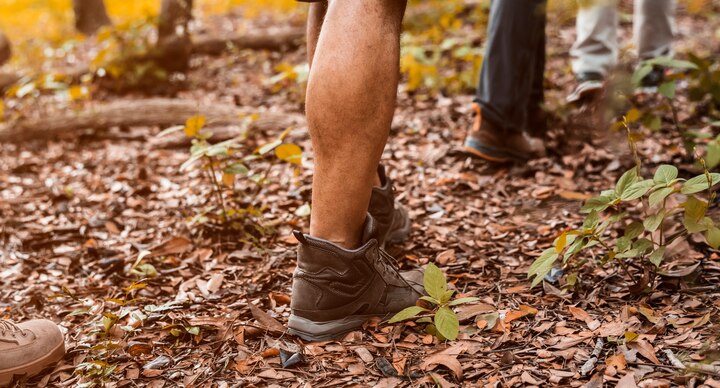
point(77, 211)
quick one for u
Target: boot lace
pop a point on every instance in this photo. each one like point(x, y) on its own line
point(9, 329)
point(391, 266)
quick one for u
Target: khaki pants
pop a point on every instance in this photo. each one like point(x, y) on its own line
point(596, 46)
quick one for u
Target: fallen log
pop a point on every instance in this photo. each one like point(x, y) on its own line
point(201, 45)
point(160, 112)
point(277, 41)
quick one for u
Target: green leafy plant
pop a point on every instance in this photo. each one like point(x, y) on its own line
point(651, 116)
point(440, 318)
point(666, 200)
point(123, 60)
point(224, 165)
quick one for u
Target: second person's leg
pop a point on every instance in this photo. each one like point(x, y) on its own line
point(595, 51)
point(507, 82)
point(654, 30)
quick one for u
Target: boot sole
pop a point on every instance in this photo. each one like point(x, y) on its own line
point(474, 148)
point(7, 375)
point(324, 331)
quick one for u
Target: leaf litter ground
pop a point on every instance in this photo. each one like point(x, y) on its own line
point(77, 212)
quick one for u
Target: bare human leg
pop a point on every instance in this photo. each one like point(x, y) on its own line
point(316, 17)
point(350, 104)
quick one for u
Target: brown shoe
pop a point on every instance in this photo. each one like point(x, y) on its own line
point(335, 290)
point(28, 348)
point(393, 221)
point(489, 142)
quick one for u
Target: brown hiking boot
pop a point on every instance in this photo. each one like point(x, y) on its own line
point(28, 348)
point(335, 290)
point(393, 222)
point(486, 140)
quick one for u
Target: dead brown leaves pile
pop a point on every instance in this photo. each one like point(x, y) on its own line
point(94, 236)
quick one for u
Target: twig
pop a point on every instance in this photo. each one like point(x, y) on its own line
point(673, 360)
point(590, 363)
point(704, 368)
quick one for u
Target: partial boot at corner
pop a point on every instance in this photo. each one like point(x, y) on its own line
point(393, 221)
point(27, 348)
point(490, 142)
point(335, 290)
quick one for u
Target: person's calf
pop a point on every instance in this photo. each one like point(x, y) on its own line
point(350, 103)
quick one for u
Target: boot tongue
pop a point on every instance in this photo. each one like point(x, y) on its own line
point(370, 230)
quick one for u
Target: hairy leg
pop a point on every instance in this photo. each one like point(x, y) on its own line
point(350, 104)
point(316, 17)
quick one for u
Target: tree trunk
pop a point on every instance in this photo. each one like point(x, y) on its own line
point(174, 42)
point(90, 15)
point(138, 113)
point(5, 49)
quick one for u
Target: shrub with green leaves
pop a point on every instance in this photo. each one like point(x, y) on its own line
point(440, 318)
point(224, 164)
point(672, 209)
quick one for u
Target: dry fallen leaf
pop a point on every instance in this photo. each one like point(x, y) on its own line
point(617, 361)
point(174, 246)
point(266, 320)
point(450, 362)
point(645, 349)
point(627, 381)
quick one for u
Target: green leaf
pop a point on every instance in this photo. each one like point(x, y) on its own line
point(591, 221)
point(699, 183)
point(694, 209)
point(653, 222)
point(634, 230)
point(713, 237)
point(667, 89)
point(576, 247)
point(628, 178)
point(303, 211)
point(434, 282)
point(712, 156)
point(430, 299)
point(666, 61)
point(268, 147)
point(542, 265)
point(597, 203)
point(145, 270)
point(622, 244)
point(657, 256)
point(194, 330)
point(236, 169)
point(665, 174)
point(636, 190)
point(638, 249)
point(640, 73)
point(654, 123)
point(657, 197)
point(468, 299)
point(446, 323)
point(406, 313)
point(446, 296)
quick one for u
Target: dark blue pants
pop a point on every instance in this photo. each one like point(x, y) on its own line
point(511, 79)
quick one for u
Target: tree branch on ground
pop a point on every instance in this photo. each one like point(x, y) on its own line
point(145, 112)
